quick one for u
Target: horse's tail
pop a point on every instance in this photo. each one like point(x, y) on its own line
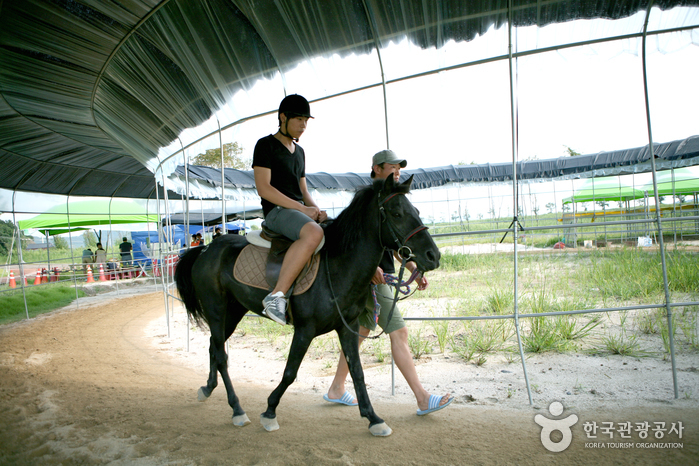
point(185, 285)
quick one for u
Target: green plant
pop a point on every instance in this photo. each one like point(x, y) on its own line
point(665, 331)
point(480, 360)
point(689, 323)
point(647, 322)
point(623, 344)
point(462, 347)
point(500, 301)
point(418, 345)
point(487, 336)
point(441, 331)
point(568, 327)
point(377, 348)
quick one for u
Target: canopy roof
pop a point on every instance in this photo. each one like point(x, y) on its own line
point(89, 213)
point(613, 188)
point(604, 189)
point(636, 160)
point(675, 182)
point(95, 95)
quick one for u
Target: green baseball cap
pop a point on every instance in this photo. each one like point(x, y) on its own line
point(388, 156)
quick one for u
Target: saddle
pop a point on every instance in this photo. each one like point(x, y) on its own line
point(260, 262)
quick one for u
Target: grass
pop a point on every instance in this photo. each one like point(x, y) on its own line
point(624, 345)
point(40, 299)
point(481, 285)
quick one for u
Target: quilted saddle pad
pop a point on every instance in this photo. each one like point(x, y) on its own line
point(249, 269)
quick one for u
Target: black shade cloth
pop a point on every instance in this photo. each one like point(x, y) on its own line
point(93, 90)
point(679, 153)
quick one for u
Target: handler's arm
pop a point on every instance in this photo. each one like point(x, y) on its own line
point(410, 265)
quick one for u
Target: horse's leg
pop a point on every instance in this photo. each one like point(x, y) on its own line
point(299, 345)
point(235, 313)
point(350, 347)
point(222, 328)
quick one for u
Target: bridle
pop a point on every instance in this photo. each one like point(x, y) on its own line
point(403, 251)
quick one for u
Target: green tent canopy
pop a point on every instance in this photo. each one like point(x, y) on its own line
point(686, 181)
point(93, 213)
point(608, 188)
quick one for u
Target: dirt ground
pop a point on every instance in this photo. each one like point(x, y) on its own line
point(103, 383)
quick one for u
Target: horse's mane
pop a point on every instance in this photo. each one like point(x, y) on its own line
point(344, 232)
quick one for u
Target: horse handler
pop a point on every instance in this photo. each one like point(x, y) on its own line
point(384, 163)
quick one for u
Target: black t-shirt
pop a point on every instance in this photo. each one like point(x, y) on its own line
point(287, 168)
point(387, 263)
point(125, 248)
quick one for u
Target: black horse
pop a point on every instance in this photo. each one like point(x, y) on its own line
point(378, 217)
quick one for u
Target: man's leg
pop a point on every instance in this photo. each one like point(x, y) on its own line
point(404, 360)
point(298, 254)
point(296, 257)
point(337, 387)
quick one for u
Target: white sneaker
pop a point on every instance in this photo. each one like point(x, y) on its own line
point(275, 307)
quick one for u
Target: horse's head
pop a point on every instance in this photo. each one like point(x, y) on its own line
point(401, 227)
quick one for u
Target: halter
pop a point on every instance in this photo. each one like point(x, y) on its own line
point(403, 251)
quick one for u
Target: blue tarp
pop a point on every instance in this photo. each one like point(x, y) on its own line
point(143, 239)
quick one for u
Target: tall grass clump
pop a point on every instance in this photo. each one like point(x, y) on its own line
point(689, 324)
point(625, 274)
point(624, 344)
point(499, 301)
point(682, 271)
point(418, 344)
point(554, 333)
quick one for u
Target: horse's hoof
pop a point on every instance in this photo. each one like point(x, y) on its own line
point(240, 421)
point(269, 424)
point(201, 396)
point(380, 430)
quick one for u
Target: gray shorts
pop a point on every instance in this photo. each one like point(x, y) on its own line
point(384, 295)
point(288, 222)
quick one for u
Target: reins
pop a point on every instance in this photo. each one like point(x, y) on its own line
point(405, 254)
point(337, 306)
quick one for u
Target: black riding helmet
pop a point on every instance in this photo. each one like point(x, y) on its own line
point(295, 105)
point(292, 106)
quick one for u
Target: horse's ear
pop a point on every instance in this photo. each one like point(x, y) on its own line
point(409, 181)
point(389, 183)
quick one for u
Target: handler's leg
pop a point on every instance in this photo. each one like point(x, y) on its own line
point(404, 360)
point(337, 388)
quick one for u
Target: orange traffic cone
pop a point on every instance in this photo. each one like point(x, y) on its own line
point(102, 277)
point(25, 280)
point(44, 276)
point(13, 284)
point(56, 274)
point(90, 278)
point(37, 280)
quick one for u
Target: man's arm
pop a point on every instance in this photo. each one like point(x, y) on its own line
point(410, 265)
point(263, 183)
point(308, 200)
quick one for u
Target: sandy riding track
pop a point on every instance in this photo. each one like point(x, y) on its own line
point(88, 386)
